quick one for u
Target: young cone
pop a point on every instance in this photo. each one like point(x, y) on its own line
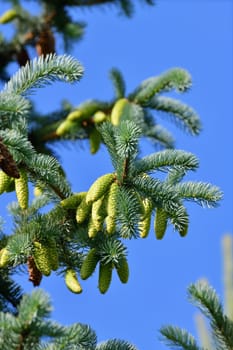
point(144, 224)
point(160, 223)
point(52, 254)
point(98, 213)
point(72, 282)
point(5, 181)
point(65, 127)
point(21, 189)
point(41, 258)
point(4, 257)
point(8, 16)
point(89, 264)
point(99, 117)
point(120, 108)
point(83, 211)
point(99, 187)
point(105, 277)
point(123, 270)
point(92, 230)
point(73, 201)
point(110, 224)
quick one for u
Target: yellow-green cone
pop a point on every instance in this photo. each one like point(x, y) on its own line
point(123, 270)
point(160, 223)
point(72, 282)
point(99, 187)
point(89, 264)
point(94, 140)
point(110, 224)
point(53, 254)
point(83, 211)
point(21, 189)
point(98, 213)
point(8, 16)
point(105, 277)
point(5, 181)
point(92, 230)
point(41, 258)
point(65, 127)
point(120, 108)
point(99, 117)
point(112, 200)
point(73, 201)
point(75, 115)
point(144, 224)
point(4, 257)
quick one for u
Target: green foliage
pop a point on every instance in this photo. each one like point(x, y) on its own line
point(42, 71)
point(31, 327)
point(112, 209)
point(205, 298)
point(76, 234)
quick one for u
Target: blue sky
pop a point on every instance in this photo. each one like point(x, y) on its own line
point(197, 36)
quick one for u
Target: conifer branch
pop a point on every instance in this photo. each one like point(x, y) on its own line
point(18, 145)
point(43, 71)
point(12, 105)
point(128, 212)
point(177, 338)
point(118, 83)
point(166, 159)
point(205, 298)
point(181, 113)
point(10, 292)
point(159, 136)
point(175, 78)
point(202, 193)
point(115, 344)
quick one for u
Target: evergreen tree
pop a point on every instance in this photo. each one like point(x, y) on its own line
point(83, 231)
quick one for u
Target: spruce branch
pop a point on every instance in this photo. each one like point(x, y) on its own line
point(202, 193)
point(107, 131)
point(34, 305)
point(205, 298)
point(126, 136)
point(178, 338)
point(159, 136)
point(175, 175)
point(47, 169)
point(175, 78)
point(8, 339)
point(43, 71)
point(128, 212)
point(10, 292)
point(7, 163)
point(18, 145)
point(182, 114)
point(111, 250)
point(115, 344)
point(164, 160)
point(79, 336)
point(160, 193)
point(118, 83)
point(12, 105)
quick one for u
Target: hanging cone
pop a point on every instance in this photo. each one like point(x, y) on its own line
point(7, 162)
point(35, 276)
point(45, 43)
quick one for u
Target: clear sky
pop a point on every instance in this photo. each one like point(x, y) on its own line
point(195, 35)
